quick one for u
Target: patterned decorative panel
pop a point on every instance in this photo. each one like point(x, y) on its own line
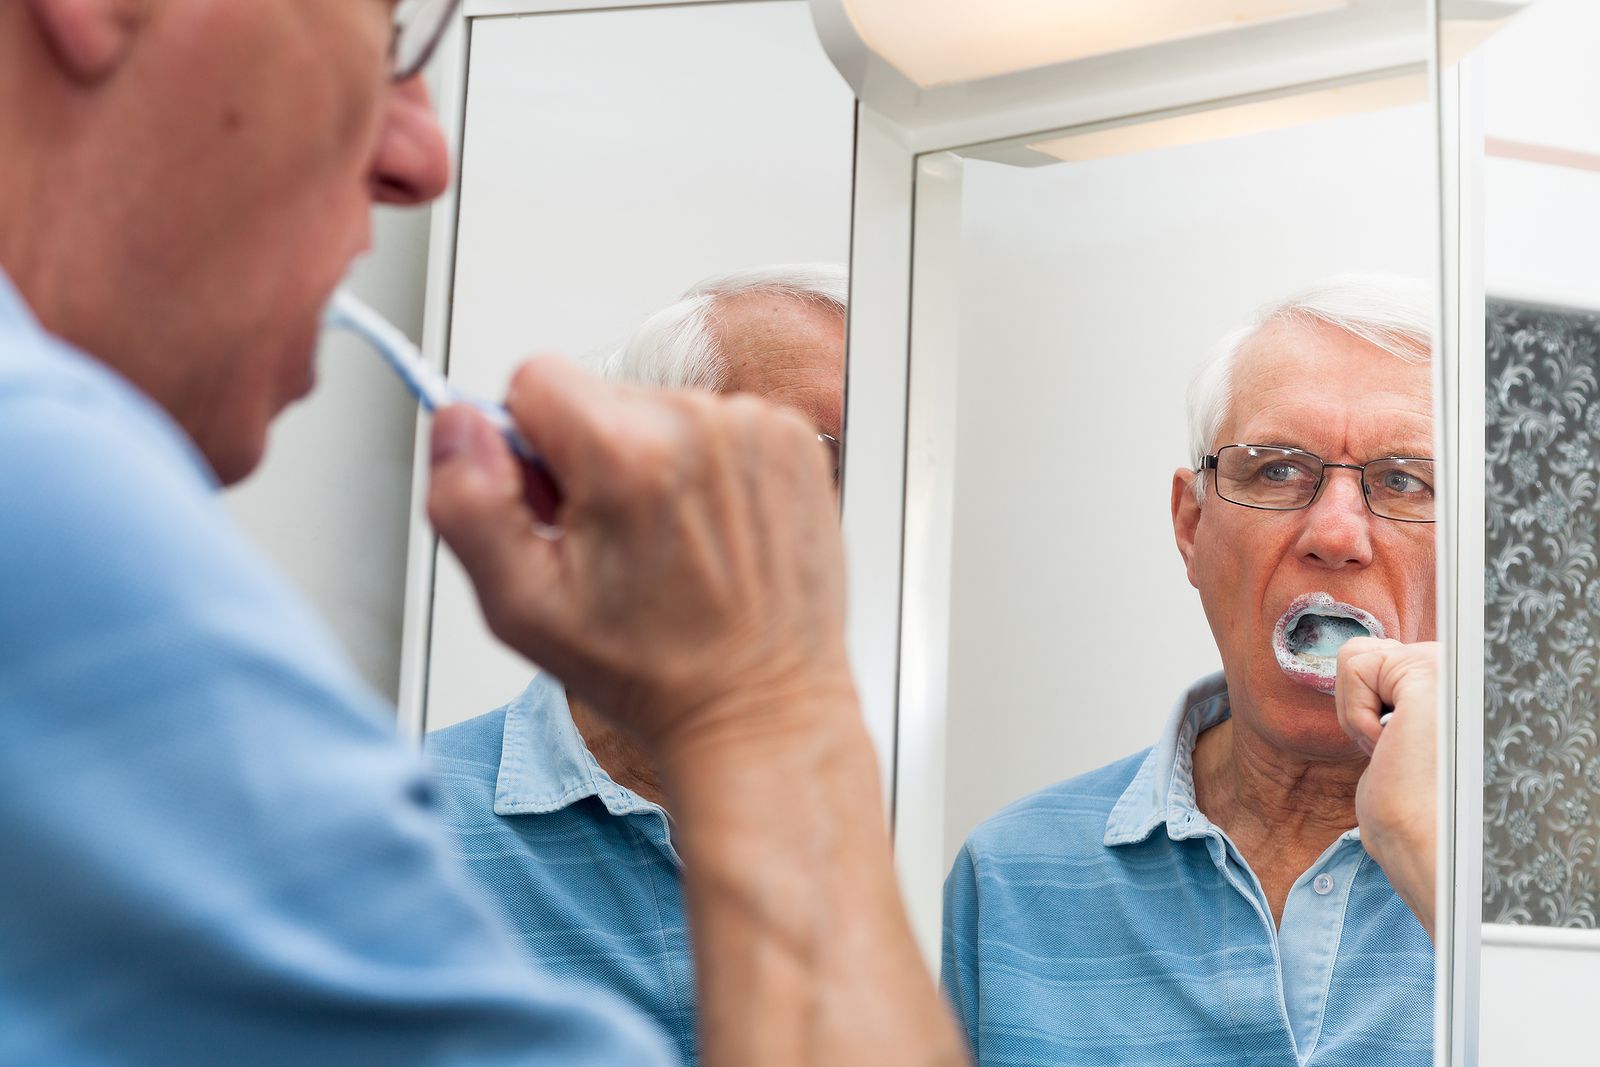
point(1541, 860)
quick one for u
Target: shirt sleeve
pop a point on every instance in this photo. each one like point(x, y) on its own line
point(958, 968)
point(212, 847)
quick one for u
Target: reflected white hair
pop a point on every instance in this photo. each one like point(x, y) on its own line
point(678, 348)
point(1390, 312)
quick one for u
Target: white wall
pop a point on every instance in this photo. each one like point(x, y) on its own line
point(612, 159)
point(1537, 1004)
point(1542, 88)
point(1541, 229)
point(1090, 293)
point(330, 503)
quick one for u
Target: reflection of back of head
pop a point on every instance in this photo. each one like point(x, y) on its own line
point(678, 347)
point(681, 347)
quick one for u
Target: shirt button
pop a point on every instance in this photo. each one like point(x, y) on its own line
point(1323, 884)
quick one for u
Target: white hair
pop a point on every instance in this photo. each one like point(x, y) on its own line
point(677, 347)
point(1393, 313)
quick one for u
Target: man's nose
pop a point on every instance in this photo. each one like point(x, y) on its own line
point(1338, 526)
point(412, 162)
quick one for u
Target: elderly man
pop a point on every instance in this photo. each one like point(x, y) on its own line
point(559, 814)
point(1211, 900)
point(215, 850)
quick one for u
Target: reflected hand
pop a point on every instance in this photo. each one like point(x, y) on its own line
point(699, 566)
point(1396, 800)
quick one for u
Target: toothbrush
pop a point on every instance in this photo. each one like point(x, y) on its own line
point(433, 391)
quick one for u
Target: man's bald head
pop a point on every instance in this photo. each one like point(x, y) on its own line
point(777, 332)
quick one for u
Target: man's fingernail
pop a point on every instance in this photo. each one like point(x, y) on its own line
point(452, 437)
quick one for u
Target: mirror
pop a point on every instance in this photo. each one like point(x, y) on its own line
point(1537, 145)
point(1117, 885)
point(607, 167)
point(662, 191)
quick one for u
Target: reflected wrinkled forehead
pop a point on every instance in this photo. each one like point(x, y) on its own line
point(1313, 385)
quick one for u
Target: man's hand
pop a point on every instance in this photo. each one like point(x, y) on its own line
point(699, 562)
point(1397, 799)
point(695, 597)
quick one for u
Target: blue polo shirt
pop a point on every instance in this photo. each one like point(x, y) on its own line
point(584, 867)
point(1106, 920)
point(213, 850)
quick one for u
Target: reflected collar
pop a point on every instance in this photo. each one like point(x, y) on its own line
point(1163, 790)
point(545, 765)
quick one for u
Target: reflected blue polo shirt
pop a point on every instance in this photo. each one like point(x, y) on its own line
point(1106, 920)
point(584, 867)
point(213, 850)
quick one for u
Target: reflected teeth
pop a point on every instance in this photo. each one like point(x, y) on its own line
point(1310, 633)
point(1316, 635)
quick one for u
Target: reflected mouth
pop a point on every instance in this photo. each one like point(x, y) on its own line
point(1308, 636)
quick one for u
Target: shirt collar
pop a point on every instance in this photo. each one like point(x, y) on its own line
point(17, 317)
point(545, 765)
point(14, 312)
point(1163, 789)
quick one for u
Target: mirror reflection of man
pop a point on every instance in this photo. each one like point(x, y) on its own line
point(1212, 900)
point(559, 814)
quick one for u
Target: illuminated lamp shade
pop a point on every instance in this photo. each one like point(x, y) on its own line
point(941, 42)
point(1465, 24)
point(1236, 120)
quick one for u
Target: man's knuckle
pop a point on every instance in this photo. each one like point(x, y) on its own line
point(750, 415)
point(658, 466)
point(695, 410)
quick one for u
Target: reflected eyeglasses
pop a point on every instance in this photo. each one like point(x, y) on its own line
point(419, 26)
point(1274, 478)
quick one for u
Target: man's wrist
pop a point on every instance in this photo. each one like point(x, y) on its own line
point(781, 782)
point(793, 722)
point(1409, 862)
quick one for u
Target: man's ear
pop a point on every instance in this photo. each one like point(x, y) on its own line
point(1185, 517)
point(89, 37)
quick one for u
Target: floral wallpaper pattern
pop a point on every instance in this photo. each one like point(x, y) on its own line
point(1541, 860)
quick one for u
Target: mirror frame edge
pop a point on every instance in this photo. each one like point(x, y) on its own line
point(447, 81)
point(877, 365)
point(1459, 378)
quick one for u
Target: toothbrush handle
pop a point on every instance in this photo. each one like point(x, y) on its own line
point(540, 490)
point(539, 487)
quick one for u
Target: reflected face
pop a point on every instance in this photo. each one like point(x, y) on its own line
point(788, 351)
point(269, 129)
point(1317, 388)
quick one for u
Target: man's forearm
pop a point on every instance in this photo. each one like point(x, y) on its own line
point(804, 955)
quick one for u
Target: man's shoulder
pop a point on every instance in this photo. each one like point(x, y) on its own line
point(124, 564)
point(1070, 813)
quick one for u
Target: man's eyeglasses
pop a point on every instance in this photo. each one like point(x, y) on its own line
point(1273, 478)
point(835, 453)
point(418, 27)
